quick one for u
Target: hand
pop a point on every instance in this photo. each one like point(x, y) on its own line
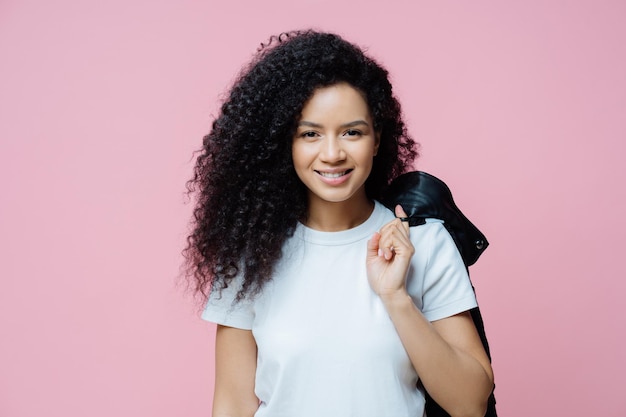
point(389, 255)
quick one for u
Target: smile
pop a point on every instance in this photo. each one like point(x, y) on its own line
point(333, 174)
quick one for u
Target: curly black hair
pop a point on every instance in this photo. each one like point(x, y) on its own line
point(249, 198)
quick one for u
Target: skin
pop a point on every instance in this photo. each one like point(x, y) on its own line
point(447, 354)
point(333, 150)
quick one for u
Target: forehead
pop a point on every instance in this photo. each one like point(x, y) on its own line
point(336, 101)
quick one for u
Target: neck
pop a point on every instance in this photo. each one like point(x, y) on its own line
point(334, 217)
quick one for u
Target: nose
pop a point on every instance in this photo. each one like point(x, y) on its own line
point(331, 150)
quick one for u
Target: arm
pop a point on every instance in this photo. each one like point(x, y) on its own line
point(447, 354)
point(235, 369)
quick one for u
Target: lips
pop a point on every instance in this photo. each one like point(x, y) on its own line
point(336, 174)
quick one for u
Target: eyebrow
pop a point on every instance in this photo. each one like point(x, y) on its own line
point(350, 124)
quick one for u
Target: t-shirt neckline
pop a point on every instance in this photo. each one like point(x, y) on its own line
point(343, 237)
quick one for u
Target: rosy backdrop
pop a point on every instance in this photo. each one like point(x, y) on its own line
point(520, 107)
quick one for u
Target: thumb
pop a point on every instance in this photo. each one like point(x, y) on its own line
point(401, 214)
point(400, 211)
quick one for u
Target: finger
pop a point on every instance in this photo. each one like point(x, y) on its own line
point(373, 248)
point(400, 213)
point(384, 242)
point(395, 240)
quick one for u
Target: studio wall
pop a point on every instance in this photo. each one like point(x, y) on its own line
point(519, 106)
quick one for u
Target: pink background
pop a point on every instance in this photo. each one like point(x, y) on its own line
point(520, 107)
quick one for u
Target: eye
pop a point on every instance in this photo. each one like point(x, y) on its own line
point(353, 133)
point(308, 135)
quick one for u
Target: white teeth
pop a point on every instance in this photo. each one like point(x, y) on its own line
point(332, 175)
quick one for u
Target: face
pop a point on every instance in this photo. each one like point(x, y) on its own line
point(334, 145)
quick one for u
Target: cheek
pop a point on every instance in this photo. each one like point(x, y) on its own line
point(299, 165)
point(368, 161)
point(365, 154)
point(295, 153)
point(302, 154)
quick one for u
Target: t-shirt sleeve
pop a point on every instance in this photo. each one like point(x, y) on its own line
point(439, 283)
point(221, 307)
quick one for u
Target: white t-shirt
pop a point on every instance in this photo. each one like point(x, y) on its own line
point(326, 345)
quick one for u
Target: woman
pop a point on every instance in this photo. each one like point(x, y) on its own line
point(326, 303)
